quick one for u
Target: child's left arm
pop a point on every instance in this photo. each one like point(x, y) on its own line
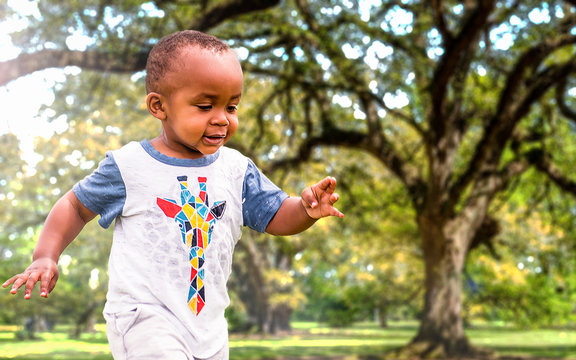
point(297, 214)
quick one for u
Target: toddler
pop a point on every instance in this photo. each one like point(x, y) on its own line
point(178, 202)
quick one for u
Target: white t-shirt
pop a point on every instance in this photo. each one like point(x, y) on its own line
point(176, 224)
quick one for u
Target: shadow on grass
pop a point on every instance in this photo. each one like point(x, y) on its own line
point(94, 340)
point(259, 353)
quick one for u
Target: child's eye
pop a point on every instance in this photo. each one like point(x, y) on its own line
point(233, 108)
point(204, 107)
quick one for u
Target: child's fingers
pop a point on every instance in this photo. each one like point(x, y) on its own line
point(309, 197)
point(336, 212)
point(328, 184)
point(10, 281)
point(16, 281)
point(32, 280)
point(334, 198)
point(52, 284)
point(47, 283)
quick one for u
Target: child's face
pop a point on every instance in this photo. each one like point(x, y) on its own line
point(200, 102)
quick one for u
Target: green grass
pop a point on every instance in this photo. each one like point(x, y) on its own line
point(55, 345)
point(558, 343)
point(308, 339)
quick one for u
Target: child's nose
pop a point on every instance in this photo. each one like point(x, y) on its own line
point(220, 118)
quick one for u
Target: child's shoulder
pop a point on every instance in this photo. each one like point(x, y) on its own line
point(233, 158)
point(129, 147)
point(134, 151)
point(229, 153)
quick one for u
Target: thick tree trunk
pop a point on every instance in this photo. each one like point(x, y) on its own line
point(249, 283)
point(441, 324)
point(382, 316)
point(441, 333)
point(256, 290)
point(381, 312)
point(85, 321)
point(281, 319)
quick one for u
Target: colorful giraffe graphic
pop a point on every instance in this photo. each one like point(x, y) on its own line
point(196, 220)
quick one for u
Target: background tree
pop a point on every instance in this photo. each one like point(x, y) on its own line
point(458, 100)
point(477, 108)
point(369, 268)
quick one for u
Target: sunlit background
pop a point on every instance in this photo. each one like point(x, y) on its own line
point(22, 99)
point(26, 112)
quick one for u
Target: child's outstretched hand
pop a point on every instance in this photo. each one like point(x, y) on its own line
point(44, 270)
point(318, 200)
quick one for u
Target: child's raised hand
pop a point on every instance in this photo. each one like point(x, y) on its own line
point(318, 200)
point(44, 270)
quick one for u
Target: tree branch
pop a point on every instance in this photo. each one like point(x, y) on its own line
point(485, 189)
point(544, 81)
point(354, 139)
point(503, 122)
point(455, 50)
point(350, 139)
point(543, 163)
point(374, 141)
point(28, 63)
point(491, 183)
point(230, 9)
point(526, 65)
point(485, 235)
point(441, 22)
point(561, 101)
point(91, 60)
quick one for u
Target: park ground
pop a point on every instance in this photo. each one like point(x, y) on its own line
point(308, 341)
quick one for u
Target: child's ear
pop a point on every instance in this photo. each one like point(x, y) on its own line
point(155, 106)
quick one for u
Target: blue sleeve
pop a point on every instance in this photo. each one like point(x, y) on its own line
point(103, 191)
point(261, 199)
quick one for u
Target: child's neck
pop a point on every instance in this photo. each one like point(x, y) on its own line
point(163, 147)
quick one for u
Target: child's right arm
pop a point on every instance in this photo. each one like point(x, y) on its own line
point(65, 221)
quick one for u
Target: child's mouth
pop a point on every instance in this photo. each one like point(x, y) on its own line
point(214, 139)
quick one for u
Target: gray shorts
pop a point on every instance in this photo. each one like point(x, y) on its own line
point(145, 334)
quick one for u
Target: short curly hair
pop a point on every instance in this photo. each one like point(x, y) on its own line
point(162, 56)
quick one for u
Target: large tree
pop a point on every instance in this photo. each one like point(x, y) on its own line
point(480, 79)
point(457, 99)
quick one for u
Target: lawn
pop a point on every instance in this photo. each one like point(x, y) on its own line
point(307, 340)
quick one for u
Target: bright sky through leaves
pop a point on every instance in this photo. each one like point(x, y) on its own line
point(22, 99)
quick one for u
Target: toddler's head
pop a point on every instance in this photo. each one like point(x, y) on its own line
point(194, 85)
point(165, 54)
